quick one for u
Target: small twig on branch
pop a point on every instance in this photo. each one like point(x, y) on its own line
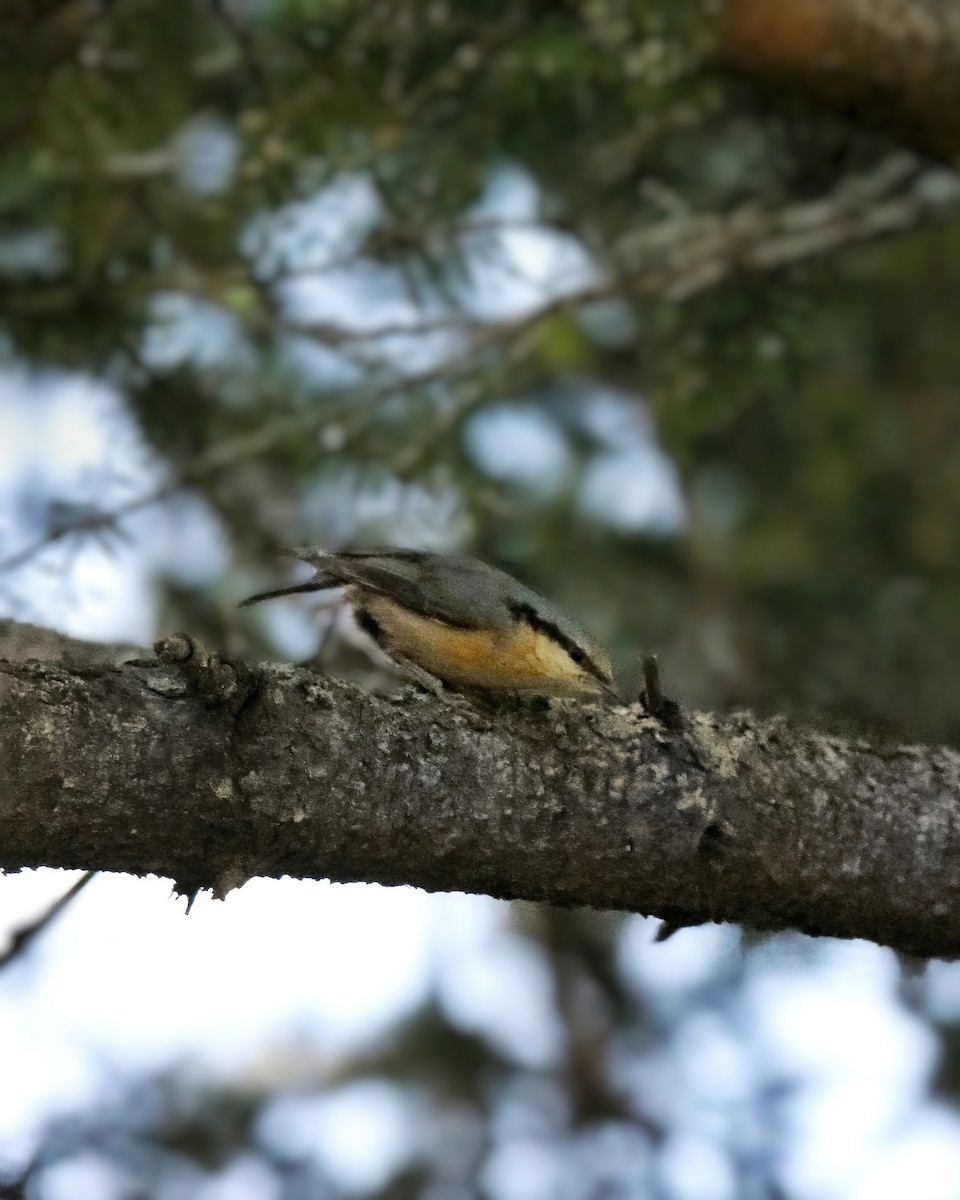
point(652, 697)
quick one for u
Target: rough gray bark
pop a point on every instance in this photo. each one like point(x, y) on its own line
point(210, 774)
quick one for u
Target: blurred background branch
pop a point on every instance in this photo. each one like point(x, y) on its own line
point(893, 64)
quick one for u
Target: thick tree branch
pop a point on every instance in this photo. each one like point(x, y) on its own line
point(139, 768)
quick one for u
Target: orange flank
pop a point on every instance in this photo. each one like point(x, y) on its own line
point(519, 659)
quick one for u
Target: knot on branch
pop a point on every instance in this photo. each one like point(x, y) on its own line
point(217, 682)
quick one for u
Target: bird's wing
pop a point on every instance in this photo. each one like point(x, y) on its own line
point(450, 588)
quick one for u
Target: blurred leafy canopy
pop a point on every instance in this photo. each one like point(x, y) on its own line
point(154, 157)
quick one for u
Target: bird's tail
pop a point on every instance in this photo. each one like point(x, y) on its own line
point(326, 576)
point(319, 583)
point(310, 554)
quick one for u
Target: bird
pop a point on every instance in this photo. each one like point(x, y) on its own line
point(450, 621)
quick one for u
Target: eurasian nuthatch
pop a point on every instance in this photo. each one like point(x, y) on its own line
point(450, 619)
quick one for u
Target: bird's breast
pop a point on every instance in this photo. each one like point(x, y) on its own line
point(520, 658)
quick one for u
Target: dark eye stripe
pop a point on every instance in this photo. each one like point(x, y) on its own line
point(369, 625)
point(525, 613)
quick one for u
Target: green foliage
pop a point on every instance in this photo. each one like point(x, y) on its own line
point(151, 159)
